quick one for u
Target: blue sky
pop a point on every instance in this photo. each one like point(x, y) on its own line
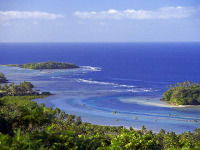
point(99, 20)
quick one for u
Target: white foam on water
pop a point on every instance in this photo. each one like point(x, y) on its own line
point(147, 90)
point(132, 90)
point(95, 82)
point(90, 68)
point(129, 86)
point(140, 90)
point(56, 77)
point(104, 83)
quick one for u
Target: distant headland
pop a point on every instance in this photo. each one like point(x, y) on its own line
point(46, 65)
point(184, 93)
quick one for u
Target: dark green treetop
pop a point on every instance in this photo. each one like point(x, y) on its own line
point(50, 65)
point(2, 78)
point(183, 93)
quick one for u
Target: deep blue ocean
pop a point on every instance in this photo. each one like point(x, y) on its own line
point(128, 78)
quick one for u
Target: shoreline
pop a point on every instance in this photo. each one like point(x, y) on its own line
point(20, 66)
point(175, 105)
point(137, 99)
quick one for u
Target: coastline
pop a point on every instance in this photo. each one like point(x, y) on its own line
point(175, 105)
point(143, 101)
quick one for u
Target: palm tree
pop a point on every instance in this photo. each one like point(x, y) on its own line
point(57, 111)
point(62, 115)
point(162, 131)
point(131, 128)
point(71, 118)
point(14, 89)
point(185, 84)
point(78, 120)
point(42, 104)
point(155, 125)
point(182, 84)
point(2, 78)
point(144, 129)
point(193, 85)
point(188, 82)
point(5, 89)
point(197, 131)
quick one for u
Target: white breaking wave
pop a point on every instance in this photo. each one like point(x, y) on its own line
point(56, 77)
point(89, 68)
point(134, 91)
point(104, 83)
point(95, 82)
point(140, 90)
point(147, 90)
point(129, 86)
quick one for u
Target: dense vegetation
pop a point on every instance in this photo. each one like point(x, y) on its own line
point(49, 65)
point(12, 65)
point(26, 125)
point(24, 88)
point(184, 93)
point(2, 78)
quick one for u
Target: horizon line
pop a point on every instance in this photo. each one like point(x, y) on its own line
point(105, 42)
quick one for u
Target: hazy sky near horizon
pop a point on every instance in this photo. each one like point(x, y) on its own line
point(99, 20)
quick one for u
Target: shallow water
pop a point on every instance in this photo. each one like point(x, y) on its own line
point(126, 78)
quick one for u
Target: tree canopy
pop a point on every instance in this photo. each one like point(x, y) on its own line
point(2, 78)
point(183, 93)
point(24, 88)
point(49, 65)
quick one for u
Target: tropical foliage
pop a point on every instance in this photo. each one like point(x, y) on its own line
point(184, 93)
point(24, 88)
point(49, 65)
point(14, 65)
point(2, 78)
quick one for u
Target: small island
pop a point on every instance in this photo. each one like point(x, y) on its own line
point(49, 65)
point(46, 65)
point(2, 78)
point(184, 93)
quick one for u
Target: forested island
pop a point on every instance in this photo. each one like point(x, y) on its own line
point(25, 124)
point(2, 78)
point(184, 93)
point(46, 65)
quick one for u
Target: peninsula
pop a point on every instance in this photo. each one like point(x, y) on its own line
point(46, 65)
point(23, 89)
point(184, 93)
